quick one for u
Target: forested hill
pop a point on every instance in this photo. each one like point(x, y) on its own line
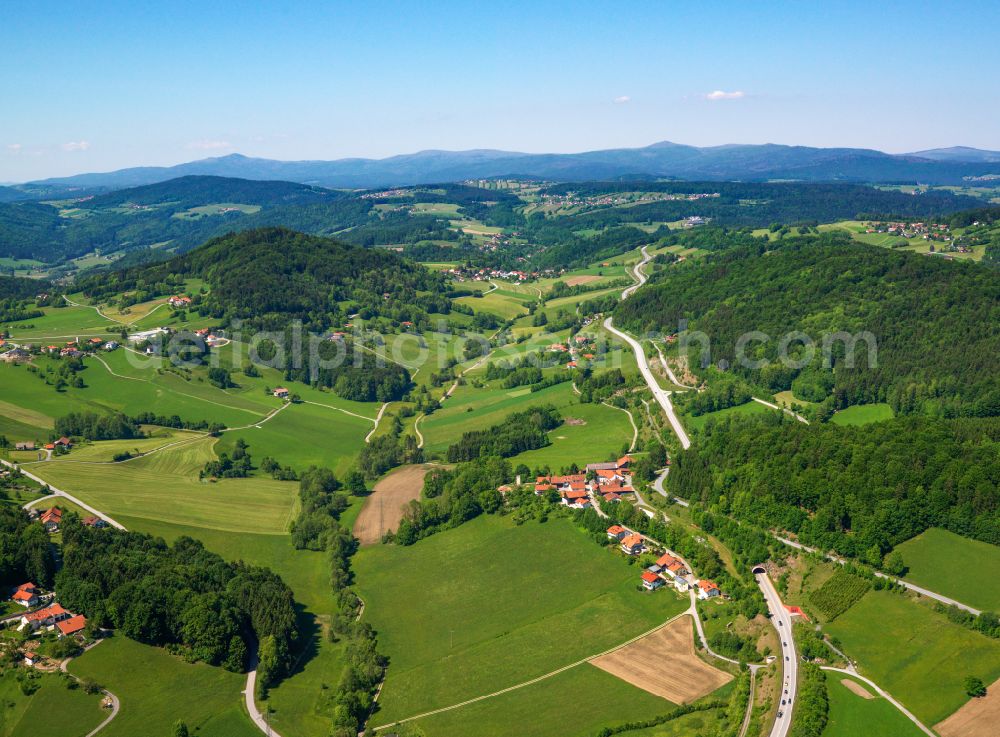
point(934, 320)
point(857, 490)
point(18, 288)
point(270, 276)
point(191, 191)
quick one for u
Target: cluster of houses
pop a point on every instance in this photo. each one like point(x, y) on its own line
point(71, 349)
point(619, 199)
point(927, 231)
point(62, 443)
point(461, 274)
point(52, 518)
point(179, 301)
point(579, 347)
point(51, 617)
point(609, 481)
point(669, 569)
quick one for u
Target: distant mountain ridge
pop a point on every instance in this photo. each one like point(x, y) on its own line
point(663, 159)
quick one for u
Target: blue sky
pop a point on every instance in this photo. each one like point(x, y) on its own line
point(92, 87)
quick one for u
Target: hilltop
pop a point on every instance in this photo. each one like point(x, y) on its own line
point(663, 159)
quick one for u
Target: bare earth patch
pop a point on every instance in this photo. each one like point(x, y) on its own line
point(856, 688)
point(977, 718)
point(665, 664)
point(585, 279)
point(384, 508)
point(574, 421)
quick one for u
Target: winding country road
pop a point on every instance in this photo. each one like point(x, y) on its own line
point(905, 584)
point(661, 395)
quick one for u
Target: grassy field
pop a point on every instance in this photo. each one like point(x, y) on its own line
point(502, 303)
point(750, 408)
point(862, 414)
point(934, 556)
point(156, 689)
point(576, 703)
point(62, 711)
point(305, 435)
point(301, 703)
point(605, 432)
point(468, 627)
point(164, 486)
point(852, 715)
point(914, 653)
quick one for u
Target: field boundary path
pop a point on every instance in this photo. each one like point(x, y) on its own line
point(884, 694)
point(115, 703)
point(378, 419)
point(631, 419)
point(533, 681)
point(787, 411)
point(905, 584)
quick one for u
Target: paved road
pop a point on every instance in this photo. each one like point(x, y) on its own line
point(661, 395)
point(905, 584)
point(115, 703)
point(59, 492)
point(782, 622)
point(251, 702)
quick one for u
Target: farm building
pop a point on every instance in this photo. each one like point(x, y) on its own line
point(44, 617)
point(280, 392)
point(52, 518)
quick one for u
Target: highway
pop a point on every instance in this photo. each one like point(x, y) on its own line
point(782, 622)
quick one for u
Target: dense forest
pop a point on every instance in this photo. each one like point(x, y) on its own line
point(933, 321)
point(293, 276)
point(520, 431)
point(25, 552)
point(857, 490)
point(180, 596)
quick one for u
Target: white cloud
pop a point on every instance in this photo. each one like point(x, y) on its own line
point(720, 95)
point(14, 148)
point(622, 100)
point(76, 146)
point(205, 145)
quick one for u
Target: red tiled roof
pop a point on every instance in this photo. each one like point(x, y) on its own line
point(665, 560)
point(21, 595)
point(615, 529)
point(706, 585)
point(650, 577)
point(632, 540)
point(50, 611)
point(72, 625)
point(624, 460)
point(575, 493)
point(27, 587)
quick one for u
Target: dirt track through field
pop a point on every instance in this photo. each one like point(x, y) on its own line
point(664, 663)
point(977, 718)
point(384, 508)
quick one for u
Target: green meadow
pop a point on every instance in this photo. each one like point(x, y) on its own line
point(157, 689)
point(576, 703)
point(490, 604)
point(692, 422)
point(935, 556)
point(862, 414)
point(164, 486)
point(914, 653)
point(852, 715)
point(64, 711)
